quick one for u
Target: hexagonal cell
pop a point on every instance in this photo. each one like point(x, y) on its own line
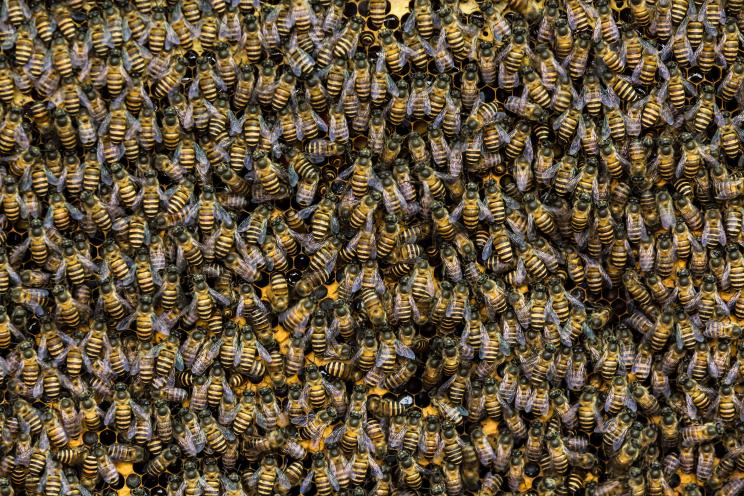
point(107, 436)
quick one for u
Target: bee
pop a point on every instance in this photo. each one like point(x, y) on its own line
point(411, 475)
point(731, 81)
point(388, 407)
point(713, 231)
point(620, 86)
point(349, 37)
point(677, 86)
point(730, 41)
point(325, 482)
point(419, 100)
point(393, 51)
point(487, 63)
point(163, 460)
point(727, 405)
point(727, 138)
point(55, 430)
point(579, 54)
point(121, 412)
point(699, 434)
point(696, 394)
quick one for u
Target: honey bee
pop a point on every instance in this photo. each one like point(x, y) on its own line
point(554, 227)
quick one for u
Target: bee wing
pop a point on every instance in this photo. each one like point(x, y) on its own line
point(374, 377)
point(384, 353)
point(565, 334)
point(457, 212)
point(396, 437)
point(731, 375)
point(110, 414)
point(19, 251)
point(23, 453)
point(576, 375)
point(301, 420)
point(219, 298)
point(336, 434)
point(188, 442)
point(486, 344)
point(306, 482)
point(59, 274)
point(38, 388)
point(691, 409)
point(610, 398)
point(398, 301)
point(713, 370)
point(530, 401)
point(262, 352)
point(404, 350)
point(573, 17)
point(282, 479)
point(374, 467)
point(576, 143)
point(707, 237)
point(410, 103)
point(126, 322)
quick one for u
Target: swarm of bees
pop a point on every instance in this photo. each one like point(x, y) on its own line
point(313, 247)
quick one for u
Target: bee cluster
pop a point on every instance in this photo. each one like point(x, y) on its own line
point(309, 246)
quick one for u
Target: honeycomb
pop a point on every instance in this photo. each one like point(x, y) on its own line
point(557, 311)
